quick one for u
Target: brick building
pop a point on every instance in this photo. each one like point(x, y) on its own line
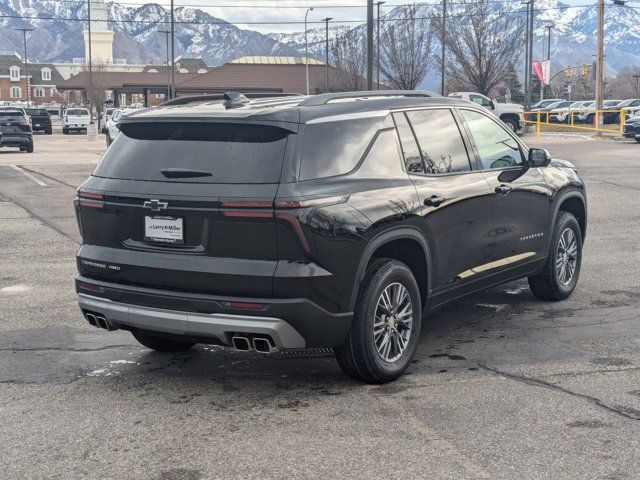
point(43, 81)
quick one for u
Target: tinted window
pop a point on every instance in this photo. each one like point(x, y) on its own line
point(480, 100)
point(497, 149)
point(335, 148)
point(383, 159)
point(37, 111)
point(77, 111)
point(410, 150)
point(11, 116)
point(232, 153)
point(440, 141)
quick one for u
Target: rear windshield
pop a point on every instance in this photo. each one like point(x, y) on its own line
point(77, 112)
point(230, 153)
point(9, 116)
point(37, 111)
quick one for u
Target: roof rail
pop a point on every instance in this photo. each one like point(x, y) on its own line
point(221, 97)
point(325, 98)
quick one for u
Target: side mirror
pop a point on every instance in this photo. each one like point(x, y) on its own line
point(492, 105)
point(539, 157)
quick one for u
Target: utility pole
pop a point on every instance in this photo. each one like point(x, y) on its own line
point(443, 41)
point(166, 35)
point(530, 48)
point(306, 50)
point(172, 92)
point(548, 27)
point(378, 45)
point(326, 54)
point(369, 44)
point(599, 66)
point(527, 60)
point(26, 60)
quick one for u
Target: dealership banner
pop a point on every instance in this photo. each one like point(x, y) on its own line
point(542, 71)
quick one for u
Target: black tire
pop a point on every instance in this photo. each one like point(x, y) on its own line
point(359, 357)
point(29, 148)
point(65, 131)
point(160, 344)
point(48, 132)
point(638, 139)
point(512, 124)
point(547, 285)
point(108, 137)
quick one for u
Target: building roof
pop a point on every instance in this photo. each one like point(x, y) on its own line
point(35, 69)
point(122, 80)
point(276, 60)
point(192, 65)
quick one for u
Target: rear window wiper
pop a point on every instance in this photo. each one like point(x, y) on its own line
point(184, 173)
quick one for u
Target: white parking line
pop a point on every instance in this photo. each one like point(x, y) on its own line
point(28, 175)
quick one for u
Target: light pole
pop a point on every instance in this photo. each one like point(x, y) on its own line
point(326, 54)
point(443, 39)
point(166, 34)
point(306, 50)
point(26, 60)
point(599, 66)
point(90, 60)
point(172, 92)
point(369, 44)
point(378, 44)
point(527, 60)
point(548, 27)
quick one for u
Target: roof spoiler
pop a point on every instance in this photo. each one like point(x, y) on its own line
point(325, 98)
point(224, 97)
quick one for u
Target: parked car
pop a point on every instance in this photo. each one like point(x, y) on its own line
point(587, 116)
point(613, 116)
point(335, 220)
point(563, 115)
point(40, 120)
point(22, 110)
point(104, 118)
point(631, 128)
point(76, 119)
point(545, 112)
point(509, 113)
point(112, 129)
point(15, 130)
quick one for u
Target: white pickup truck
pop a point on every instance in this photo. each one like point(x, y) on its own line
point(509, 113)
point(75, 119)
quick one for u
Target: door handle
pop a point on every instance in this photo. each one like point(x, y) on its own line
point(503, 189)
point(434, 201)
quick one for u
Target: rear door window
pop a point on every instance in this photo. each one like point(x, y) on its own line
point(440, 141)
point(332, 148)
point(230, 153)
point(410, 150)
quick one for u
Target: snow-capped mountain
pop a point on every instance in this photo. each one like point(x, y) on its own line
point(200, 34)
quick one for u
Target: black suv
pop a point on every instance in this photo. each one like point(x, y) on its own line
point(40, 120)
point(335, 220)
point(15, 130)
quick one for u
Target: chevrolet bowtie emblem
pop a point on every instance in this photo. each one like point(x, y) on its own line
point(155, 205)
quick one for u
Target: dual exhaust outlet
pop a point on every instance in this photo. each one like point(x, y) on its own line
point(98, 320)
point(257, 343)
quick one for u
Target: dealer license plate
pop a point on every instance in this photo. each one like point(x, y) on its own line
point(164, 229)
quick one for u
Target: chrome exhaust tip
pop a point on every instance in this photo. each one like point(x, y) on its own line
point(264, 345)
point(241, 343)
point(103, 323)
point(91, 318)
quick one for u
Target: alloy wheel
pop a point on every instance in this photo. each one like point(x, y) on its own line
point(393, 322)
point(567, 256)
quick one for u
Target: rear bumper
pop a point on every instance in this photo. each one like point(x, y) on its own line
point(291, 323)
point(14, 140)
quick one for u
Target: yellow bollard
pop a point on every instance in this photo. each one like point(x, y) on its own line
point(538, 124)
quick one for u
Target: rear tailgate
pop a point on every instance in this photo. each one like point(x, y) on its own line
point(185, 206)
point(13, 123)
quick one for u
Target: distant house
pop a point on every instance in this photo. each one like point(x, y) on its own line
point(43, 81)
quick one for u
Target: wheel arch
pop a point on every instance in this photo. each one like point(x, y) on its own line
point(406, 244)
point(511, 116)
point(575, 203)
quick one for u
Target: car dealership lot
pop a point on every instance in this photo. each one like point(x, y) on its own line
point(503, 385)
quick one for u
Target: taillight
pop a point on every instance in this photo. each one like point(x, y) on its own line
point(311, 202)
point(91, 200)
point(92, 287)
point(244, 305)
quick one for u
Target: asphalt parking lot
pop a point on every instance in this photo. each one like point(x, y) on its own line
point(503, 385)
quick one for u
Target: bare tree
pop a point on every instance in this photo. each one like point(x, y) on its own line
point(482, 39)
point(406, 49)
point(95, 91)
point(348, 51)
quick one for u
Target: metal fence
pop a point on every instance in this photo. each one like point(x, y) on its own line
point(602, 121)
